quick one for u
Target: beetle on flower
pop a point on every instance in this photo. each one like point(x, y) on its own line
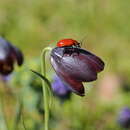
point(75, 65)
point(9, 54)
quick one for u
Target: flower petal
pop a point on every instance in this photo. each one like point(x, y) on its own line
point(82, 67)
point(4, 49)
point(94, 60)
point(18, 56)
point(76, 86)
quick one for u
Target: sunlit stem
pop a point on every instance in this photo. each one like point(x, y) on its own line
point(44, 87)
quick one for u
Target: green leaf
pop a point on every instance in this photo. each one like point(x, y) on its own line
point(47, 82)
point(43, 77)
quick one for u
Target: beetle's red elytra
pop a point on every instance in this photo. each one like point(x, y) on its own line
point(67, 43)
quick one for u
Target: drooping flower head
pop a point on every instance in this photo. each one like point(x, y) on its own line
point(124, 118)
point(60, 89)
point(75, 65)
point(9, 54)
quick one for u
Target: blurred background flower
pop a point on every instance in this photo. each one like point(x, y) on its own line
point(9, 54)
point(109, 87)
point(124, 118)
point(60, 89)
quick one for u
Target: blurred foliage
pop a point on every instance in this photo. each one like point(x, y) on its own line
point(104, 28)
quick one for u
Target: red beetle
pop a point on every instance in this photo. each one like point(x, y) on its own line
point(68, 43)
point(70, 46)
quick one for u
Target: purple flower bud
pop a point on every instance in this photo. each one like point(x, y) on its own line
point(76, 66)
point(124, 118)
point(8, 55)
point(60, 89)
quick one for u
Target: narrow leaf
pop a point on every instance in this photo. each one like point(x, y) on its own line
point(48, 83)
point(43, 77)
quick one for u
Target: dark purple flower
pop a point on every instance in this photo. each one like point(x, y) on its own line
point(60, 89)
point(124, 118)
point(76, 67)
point(9, 54)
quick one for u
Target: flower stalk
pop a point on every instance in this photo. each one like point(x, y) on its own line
point(45, 87)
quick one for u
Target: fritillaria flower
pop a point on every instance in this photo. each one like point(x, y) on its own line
point(9, 54)
point(76, 66)
point(60, 89)
point(124, 118)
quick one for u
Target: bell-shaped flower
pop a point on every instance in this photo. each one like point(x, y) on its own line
point(9, 54)
point(76, 65)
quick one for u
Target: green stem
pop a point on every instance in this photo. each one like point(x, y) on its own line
point(44, 87)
